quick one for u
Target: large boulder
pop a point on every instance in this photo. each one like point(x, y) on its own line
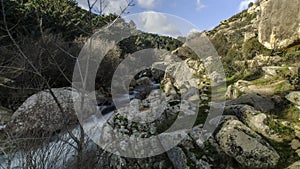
point(247, 147)
point(40, 112)
point(181, 75)
point(259, 102)
point(279, 24)
point(256, 120)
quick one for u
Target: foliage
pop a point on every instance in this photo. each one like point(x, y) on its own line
point(250, 4)
point(295, 80)
point(61, 16)
point(290, 112)
point(280, 128)
point(233, 54)
point(249, 50)
point(221, 44)
point(292, 54)
point(252, 47)
point(147, 40)
point(286, 153)
point(51, 34)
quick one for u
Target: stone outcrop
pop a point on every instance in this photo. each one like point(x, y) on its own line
point(181, 75)
point(256, 120)
point(279, 24)
point(247, 147)
point(259, 61)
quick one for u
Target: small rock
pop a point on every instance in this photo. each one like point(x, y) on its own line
point(298, 152)
point(144, 81)
point(296, 127)
point(297, 134)
point(294, 97)
point(295, 144)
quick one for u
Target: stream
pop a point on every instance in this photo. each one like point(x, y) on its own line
point(61, 151)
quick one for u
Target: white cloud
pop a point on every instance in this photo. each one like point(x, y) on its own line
point(158, 23)
point(244, 4)
point(193, 30)
point(199, 5)
point(115, 6)
point(148, 4)
point(111, 6)
point(83, 4)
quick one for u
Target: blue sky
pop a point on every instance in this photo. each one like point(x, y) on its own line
point(203, 14)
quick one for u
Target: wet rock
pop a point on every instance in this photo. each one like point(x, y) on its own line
point(144, 81)
point(157, 75)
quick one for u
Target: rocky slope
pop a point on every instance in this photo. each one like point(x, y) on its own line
point(259, 127)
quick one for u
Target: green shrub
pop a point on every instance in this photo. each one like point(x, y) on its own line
point(250, 4)
point(233, 54)
point(292, 55)
point(221, 44)
point(280, 128)
point(59, 16)
point(253, 47)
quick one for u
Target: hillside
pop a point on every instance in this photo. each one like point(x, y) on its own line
point(248, 119)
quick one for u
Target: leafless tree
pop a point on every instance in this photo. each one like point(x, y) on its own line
point(99, 6)
point(36, 157)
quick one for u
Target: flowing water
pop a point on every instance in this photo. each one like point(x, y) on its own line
point(62, 150)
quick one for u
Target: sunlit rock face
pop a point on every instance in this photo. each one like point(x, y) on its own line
point(279, 24)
